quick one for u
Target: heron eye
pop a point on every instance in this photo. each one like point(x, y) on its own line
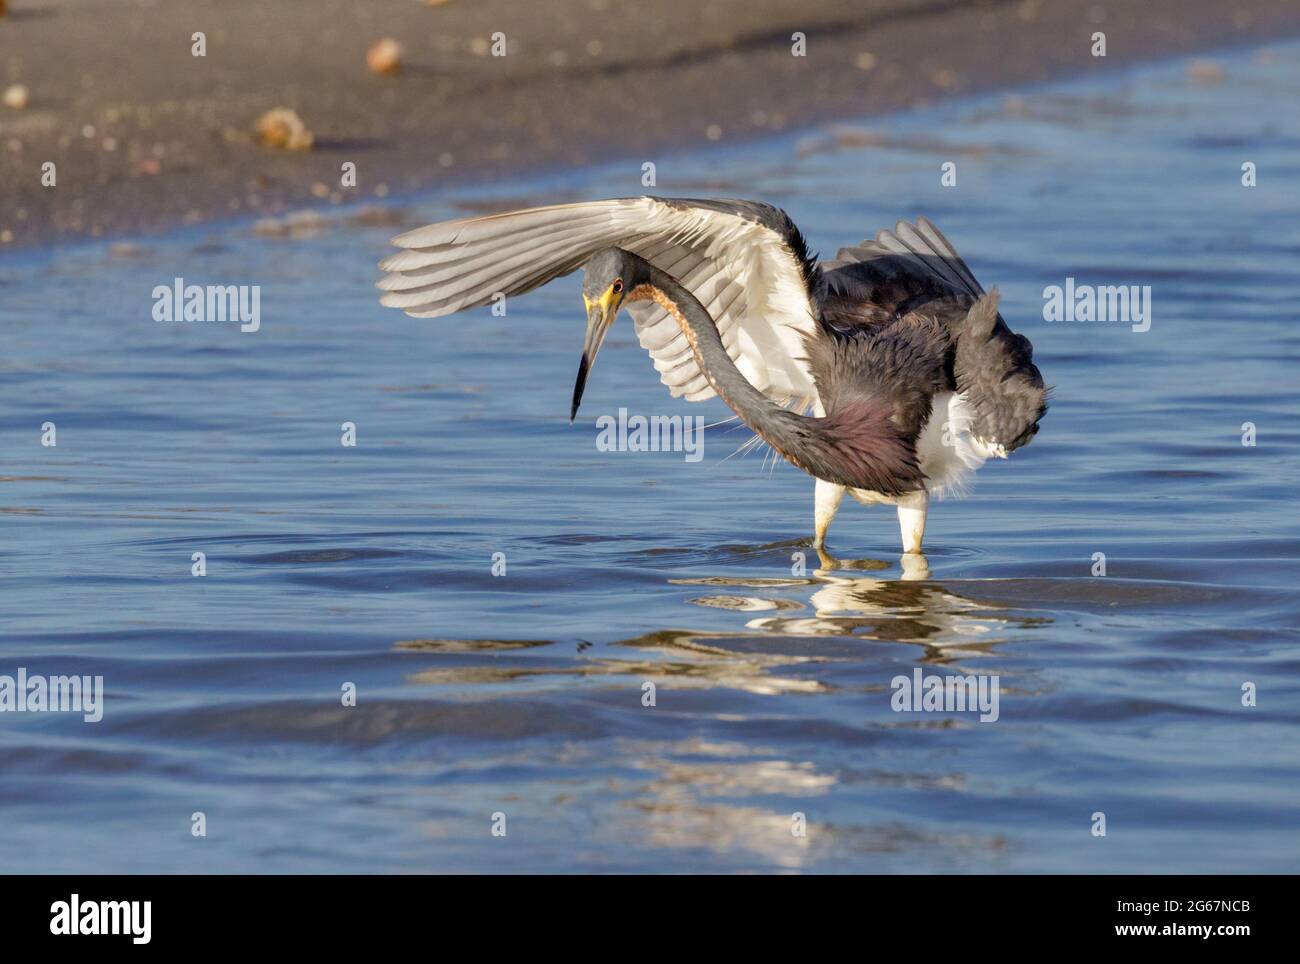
point(617, 286)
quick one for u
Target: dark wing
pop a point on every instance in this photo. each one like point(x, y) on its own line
point(904, 362)
point(913, 275)
point(745, 261)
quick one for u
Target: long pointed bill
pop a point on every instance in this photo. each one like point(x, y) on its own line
point(600, 315)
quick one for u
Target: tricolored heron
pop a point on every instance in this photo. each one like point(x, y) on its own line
point(911, 376)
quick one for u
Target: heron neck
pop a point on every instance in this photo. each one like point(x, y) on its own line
point(770, 421)
point(856, 444)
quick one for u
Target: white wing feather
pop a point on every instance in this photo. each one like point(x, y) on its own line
point(742, 272)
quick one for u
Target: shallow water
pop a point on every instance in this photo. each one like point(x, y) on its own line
point(522, 693)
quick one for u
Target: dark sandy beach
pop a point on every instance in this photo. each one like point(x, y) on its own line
point(145, 135)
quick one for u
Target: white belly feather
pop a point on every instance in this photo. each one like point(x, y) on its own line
point(949, 455)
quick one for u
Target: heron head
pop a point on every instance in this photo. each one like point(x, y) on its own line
point(606, 280)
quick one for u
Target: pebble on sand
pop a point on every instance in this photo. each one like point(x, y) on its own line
point(384, 56)
point(282, 127)
point(15, 94)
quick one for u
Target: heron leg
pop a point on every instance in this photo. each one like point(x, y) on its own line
point(826, 502)
point(912, 509)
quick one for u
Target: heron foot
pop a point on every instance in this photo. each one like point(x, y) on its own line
point(915, 566)
point(827, 560)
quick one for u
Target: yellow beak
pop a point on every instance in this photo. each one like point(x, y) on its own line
point(600, 315)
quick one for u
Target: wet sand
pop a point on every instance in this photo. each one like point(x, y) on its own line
point(144, 135)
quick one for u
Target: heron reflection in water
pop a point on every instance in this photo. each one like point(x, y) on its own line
point(849, 604)
point(886, 373)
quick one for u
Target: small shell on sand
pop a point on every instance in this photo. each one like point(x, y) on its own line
point(282, 127)
point(127, 249)
point(1206, 72)
point(374, 215)
point(384, 56)
point(270, 228)
point(15, 94)
point(297, 224)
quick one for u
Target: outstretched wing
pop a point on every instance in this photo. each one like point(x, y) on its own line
point(745, 261)
point(915, 272)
